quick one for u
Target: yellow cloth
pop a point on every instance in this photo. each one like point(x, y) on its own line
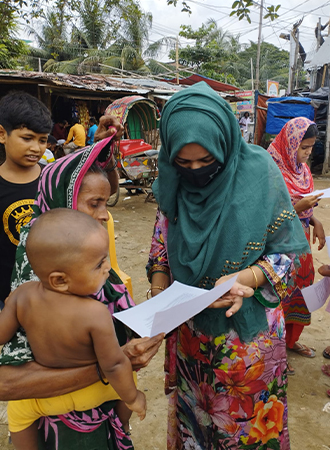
point(78, 133)
point(22, 413)
point(47, 157)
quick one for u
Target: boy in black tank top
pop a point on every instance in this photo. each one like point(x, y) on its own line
point(25, 123)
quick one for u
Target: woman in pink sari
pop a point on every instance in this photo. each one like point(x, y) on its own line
point(290, 150)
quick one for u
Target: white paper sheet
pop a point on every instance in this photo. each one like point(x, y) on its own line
point(327, 240)
point(328, 307)
point(316, 295)
point(171, 308)
point(326, 193)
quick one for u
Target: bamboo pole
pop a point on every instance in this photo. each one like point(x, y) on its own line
point(259, 45)
point(323, 75)
point(325, 168)
point(177, 60)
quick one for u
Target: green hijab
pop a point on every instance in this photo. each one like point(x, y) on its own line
point(244, 213)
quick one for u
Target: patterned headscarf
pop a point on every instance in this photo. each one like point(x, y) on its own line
point(58, 187)
point(60, 182)
point(283, 150)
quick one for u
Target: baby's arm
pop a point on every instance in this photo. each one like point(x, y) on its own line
point(114, 363)
point(8, 319)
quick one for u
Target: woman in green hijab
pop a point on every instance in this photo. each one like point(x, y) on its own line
point(223, 210)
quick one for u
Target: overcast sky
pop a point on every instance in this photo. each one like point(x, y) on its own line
point(167, 20)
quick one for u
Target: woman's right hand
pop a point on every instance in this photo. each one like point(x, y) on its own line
point(324, 270)
point(108, 125)
point(307, 202)
point(140, 351)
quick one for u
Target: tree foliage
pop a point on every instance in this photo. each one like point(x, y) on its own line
point(212, 53)
point(11, 48)
point(104, 33)
point(218, 54)
point(274, 64)
point(240, 8)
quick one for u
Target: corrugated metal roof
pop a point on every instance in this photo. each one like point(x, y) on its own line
point(150, 83)
point(216, 85)
point(96, 83)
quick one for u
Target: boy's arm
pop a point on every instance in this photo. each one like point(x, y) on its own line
point(8, 319)
point(70, 136)
point(114, 363)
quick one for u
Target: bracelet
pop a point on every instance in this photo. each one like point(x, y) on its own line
point(255, 277)
point(100, 376)
point(113, 167)
point(157, 268)
point(154, 287)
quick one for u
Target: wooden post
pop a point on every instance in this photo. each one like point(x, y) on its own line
point(296, 56)
point(252, 84)
point(318, 34)
point(259, 45)
point(325, 168)
point(292, 61)
point(177, 60)
point(323, 75)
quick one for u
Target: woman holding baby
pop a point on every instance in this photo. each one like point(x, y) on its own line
point(78, 181)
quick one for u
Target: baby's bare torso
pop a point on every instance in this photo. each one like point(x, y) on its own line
point(58, 326)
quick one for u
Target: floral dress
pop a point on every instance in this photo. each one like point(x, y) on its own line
point(225, 394)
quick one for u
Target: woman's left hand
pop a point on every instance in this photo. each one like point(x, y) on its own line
point(318, 232)
point(233, 298)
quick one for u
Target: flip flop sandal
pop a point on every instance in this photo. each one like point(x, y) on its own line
point(326, 369)
point(303, 350)
point(326, 354)
point(290, 370)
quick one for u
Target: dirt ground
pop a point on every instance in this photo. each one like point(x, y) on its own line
point(309, 426)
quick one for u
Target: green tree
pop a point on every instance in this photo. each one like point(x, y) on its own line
point(93, 38)
point(240, 8)
point(98, 43)
point(274, 64)
point(11, 48)
point(213, 52)
point(53, 38)
point(132, 39)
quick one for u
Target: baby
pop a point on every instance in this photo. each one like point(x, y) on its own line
point(68, 251)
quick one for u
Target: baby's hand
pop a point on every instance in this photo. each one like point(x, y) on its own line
point(139, 405)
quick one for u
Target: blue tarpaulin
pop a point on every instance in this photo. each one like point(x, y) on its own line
point(281, 110)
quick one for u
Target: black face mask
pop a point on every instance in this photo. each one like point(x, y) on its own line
point(199, 177)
